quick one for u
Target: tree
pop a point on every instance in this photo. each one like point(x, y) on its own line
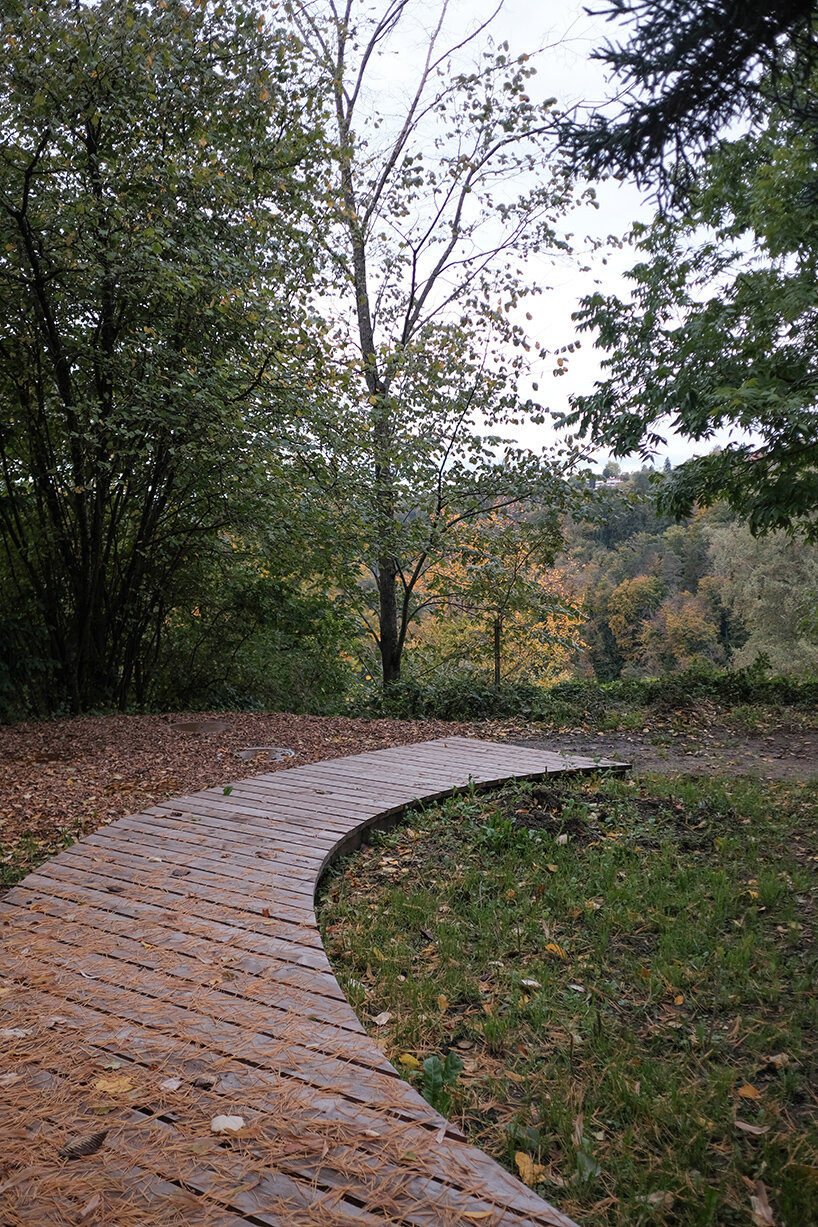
point(497, 590)
point(688, 69)
point(720, 332)
point(771, 585)
point(431, 215)
point(151, 166)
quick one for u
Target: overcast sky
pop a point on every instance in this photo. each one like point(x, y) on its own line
point(566, 71)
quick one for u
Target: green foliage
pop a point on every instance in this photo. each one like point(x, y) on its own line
point(686, 70)
point(439, 1077)
point(152, 171)
point(572, 703)
point(718, 333)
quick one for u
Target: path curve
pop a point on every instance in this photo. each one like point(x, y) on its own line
point(168, 970)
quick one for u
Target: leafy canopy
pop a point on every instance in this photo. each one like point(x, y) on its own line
point(720, 332)
point(151, 161)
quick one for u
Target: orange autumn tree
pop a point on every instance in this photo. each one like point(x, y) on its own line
point(498, 606)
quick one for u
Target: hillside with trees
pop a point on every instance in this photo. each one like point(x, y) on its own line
point(262, 346)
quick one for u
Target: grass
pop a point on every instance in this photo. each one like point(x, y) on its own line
point(22, 855)
point(610, 985)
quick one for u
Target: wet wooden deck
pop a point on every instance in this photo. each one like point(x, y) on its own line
point(168, 970)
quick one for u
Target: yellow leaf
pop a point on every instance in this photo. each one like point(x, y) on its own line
point(552, 868)
point(442, 1003)
point(530, 1172)
point(679, 999)
point(557, 950)
point(408, 1061)
point(749, 1092)
point(477, 1216)
point(113, 1086)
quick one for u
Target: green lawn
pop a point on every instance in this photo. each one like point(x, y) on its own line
point(609, 983)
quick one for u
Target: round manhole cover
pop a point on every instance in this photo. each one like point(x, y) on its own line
point(273, 754)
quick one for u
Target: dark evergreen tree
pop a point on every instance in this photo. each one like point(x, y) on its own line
point(687, 69)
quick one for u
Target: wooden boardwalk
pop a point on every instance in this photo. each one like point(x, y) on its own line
point(168, 970)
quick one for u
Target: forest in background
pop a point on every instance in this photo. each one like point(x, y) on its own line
point(261, 351)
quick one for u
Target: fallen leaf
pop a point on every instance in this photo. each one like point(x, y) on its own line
point(552, 868)
point(442, 1002)
point(477, 1216)
point(780, 1060)
point(531, 1173)
point(13, 1033)
point(762, 1211)
point(555, 949)
point(755, 1130)
point(382, 1019)
point(749, 1092)
point(408, 1061)
point(114, 1086)
point(170, 1084)
point(226, 1124)
point(533, 983)
point(84, 1146)
point(662, 1200)
point(561, 841)
point(679, 999)
point(89, 1208)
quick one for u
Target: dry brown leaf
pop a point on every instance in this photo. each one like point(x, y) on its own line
point(117, 1085)
point(83, 1147)
point(749, 1092)
point(531, 1173)
point(89, 1208)
point(762, 1211)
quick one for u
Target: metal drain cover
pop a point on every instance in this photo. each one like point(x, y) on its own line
point(273, 754)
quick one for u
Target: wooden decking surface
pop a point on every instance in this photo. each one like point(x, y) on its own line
point(168, 969)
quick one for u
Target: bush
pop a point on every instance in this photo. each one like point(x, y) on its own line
point(463, 697)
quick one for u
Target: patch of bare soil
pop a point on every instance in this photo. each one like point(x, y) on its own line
point(777, 755)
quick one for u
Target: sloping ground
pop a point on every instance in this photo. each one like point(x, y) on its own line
point(176, 1049)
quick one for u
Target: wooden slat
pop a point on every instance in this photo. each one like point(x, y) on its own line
point(182, 941)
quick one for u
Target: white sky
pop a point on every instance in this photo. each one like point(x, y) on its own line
point(566, 71)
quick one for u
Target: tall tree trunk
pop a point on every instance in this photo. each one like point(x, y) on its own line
point(498, 634)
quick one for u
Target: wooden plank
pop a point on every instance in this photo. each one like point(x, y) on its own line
point(185, 937)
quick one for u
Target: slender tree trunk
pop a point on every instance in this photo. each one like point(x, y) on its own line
point(388, 617)
point(498, 635)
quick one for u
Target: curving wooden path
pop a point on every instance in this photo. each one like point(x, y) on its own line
point(168, 970)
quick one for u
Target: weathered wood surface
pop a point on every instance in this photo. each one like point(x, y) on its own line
point(168, 969)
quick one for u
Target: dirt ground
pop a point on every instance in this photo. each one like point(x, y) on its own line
point(778, 755)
